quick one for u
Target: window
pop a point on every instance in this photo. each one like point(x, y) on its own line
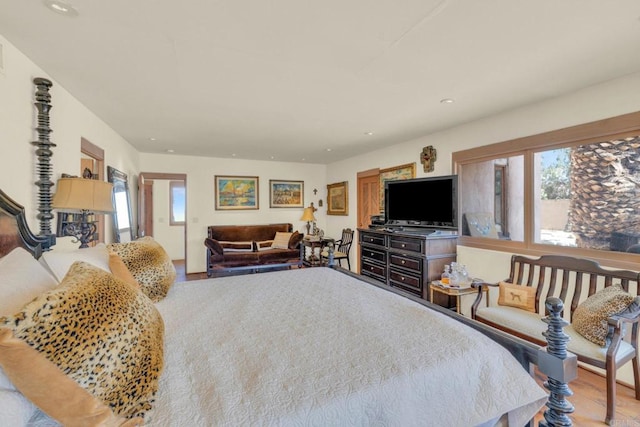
point(177, 202)
point(575, 190)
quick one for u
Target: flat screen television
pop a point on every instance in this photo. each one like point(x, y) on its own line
point(423, 203)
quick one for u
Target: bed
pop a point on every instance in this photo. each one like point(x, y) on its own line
point(316, 346)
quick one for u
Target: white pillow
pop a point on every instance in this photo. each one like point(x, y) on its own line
point(60, 261)
point(281, 241)
point(15, 409)
point(22, 278)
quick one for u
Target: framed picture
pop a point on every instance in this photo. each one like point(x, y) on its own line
point(395, 173)
point(236, 192)
point(338, 198)
point(286, 194)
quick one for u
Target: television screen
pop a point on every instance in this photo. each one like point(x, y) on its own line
point(422, 202)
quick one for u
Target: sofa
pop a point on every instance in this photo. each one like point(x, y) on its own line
point(238, 249)
point(601, 307)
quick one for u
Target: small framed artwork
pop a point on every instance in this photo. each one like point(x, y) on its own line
point(236, 192)
point(286, 194)
point(395, 173)
point(338, 198)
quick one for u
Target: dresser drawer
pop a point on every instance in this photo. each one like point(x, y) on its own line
point(405, 281)
point(373, 254)
point(373, 270)
point(373, 239)
point(398, 260)
point(406, 244)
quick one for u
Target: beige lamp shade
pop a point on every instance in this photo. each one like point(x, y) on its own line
point(307, 215)
point(75, 194)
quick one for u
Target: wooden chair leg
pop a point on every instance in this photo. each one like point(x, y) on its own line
point(611, 394)
point(636, 375)
point(349, 266)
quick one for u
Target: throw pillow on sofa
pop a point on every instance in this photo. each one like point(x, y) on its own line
point(590, 317)
point(281, 240)
point(518, 296)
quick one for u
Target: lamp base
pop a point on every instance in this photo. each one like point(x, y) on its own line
point(84, 231)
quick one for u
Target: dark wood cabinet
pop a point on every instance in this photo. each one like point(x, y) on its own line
point(406, 260)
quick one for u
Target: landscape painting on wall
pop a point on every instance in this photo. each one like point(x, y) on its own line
point(236, 192)
point(286, 194)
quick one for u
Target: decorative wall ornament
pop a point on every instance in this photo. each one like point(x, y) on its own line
point(428, 158)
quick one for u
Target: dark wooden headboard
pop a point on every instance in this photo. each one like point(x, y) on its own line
point(14, 230)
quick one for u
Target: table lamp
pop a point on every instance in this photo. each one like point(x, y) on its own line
point(84, 196)
point(307, 215)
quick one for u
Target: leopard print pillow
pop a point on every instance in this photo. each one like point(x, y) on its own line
point(149, 264)
point(100, 332)
point(590, 317)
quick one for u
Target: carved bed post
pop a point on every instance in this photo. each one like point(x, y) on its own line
point(558, 365)
point(44, 153)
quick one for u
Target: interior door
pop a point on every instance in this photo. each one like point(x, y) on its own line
point(368, 201)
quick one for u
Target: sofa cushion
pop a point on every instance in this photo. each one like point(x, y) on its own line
point(531, 325)
point(275, 255)
point(295, 239)
point(227, 246)
point(281, 240)
point(264, 245)
point(590, 317)
point(234, 233)
point(518, 296)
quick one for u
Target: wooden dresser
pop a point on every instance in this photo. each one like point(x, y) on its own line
point(406, 260)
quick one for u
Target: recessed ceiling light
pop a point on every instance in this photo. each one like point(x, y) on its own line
point(447, 101)
point(171, 150)
point(233, 155)
point(272, 157)
point(328, 149)
point(152, 139)
point(369, 133)
point(61, 7)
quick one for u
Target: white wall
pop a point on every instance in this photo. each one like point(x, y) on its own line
point(598, 102)
point(201, 210)
point(70, 121)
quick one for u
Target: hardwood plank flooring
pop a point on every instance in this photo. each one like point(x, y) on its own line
point(589, 389)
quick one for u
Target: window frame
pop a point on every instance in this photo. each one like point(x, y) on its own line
point(172, 185)
point(622, 126)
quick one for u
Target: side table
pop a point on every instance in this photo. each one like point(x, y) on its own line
point(312, 250)
point(455, 292)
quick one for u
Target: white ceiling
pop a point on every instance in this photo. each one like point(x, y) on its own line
point(289, 79)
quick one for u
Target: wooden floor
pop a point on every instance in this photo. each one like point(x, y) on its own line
point(589, 390)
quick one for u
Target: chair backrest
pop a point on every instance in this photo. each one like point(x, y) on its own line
point(345, 241)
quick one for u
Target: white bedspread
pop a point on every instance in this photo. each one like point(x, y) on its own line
point(316, 347)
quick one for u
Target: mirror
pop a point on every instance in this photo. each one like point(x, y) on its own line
point(122, 226)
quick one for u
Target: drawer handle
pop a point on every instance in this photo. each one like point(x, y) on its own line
point(371, 254)
point(402, 278)
point(403, 245)
point(371, 268)
point(402, 262)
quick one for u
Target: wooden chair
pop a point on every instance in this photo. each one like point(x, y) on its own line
point(341, 248)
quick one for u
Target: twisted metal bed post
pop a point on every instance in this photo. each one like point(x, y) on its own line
point(559, 365)
point(44, 153)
